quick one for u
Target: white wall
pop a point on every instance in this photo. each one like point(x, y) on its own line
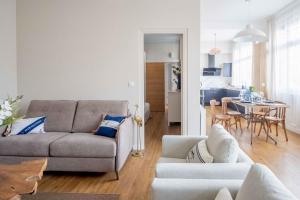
point(88, 49)
point(159, 52)
point(8, 66)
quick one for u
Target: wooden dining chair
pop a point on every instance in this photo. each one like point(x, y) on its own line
point(258, 118)
point(236, 115)
point(275, 117)
point(224, 119)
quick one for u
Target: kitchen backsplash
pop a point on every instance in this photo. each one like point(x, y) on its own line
point(215, 81)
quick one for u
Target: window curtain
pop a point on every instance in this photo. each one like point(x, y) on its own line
point(284, 84)
point(242, 62)
point(260, 68)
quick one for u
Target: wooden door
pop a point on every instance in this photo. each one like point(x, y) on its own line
point(155, 86)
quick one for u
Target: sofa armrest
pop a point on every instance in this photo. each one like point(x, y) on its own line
point(191, 189)
point(203, 170)
point(244, 158)
point(124, 140)
point(176, 146)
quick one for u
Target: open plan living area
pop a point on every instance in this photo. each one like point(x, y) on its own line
point(149, 99)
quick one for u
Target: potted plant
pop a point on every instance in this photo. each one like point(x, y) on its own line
point(9, 113)
point(177, 72)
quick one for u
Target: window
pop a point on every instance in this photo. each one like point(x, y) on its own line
point(242, 64)
point(285, 63)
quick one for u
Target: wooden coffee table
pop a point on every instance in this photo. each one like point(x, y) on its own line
point(19, 179)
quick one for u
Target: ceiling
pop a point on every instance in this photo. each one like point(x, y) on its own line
point(227, 17)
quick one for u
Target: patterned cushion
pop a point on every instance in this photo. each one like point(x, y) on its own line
point(28, 126)
point(199, 154)
point(110, 125)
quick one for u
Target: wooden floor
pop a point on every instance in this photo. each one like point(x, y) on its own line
point(137, 175)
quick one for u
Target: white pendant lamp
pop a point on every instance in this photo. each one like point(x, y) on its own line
point(215, 50)
point(250, 34)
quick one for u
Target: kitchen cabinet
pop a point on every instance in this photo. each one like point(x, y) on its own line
point(218, 94)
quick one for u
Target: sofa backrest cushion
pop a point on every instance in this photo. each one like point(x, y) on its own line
point(90, 112)
point(59, 113)
point(222, 146)
point(262, 184)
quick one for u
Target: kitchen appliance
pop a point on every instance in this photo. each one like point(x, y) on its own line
point(211, 70)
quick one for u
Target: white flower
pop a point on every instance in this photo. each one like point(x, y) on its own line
point(1, 122)
point(2, 117)
point(7, 113)
point(7, 106)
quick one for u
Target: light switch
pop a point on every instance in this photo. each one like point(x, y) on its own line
point(131, 84)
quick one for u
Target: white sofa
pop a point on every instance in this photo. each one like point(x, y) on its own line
point(172, 163)
point(260, 184)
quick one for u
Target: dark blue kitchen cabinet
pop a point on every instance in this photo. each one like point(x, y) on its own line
point(219, 93)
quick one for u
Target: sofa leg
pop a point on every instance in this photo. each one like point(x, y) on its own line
point(117, 175)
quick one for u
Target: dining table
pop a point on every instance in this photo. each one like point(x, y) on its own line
point(251, 106)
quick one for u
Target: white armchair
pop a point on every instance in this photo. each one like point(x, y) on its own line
point(260, 184)
point(172, 163)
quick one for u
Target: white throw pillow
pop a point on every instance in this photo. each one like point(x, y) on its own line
point(224, 194)
point(222, 146)
point(262, 184)
point(28, 126)
point(199, 154)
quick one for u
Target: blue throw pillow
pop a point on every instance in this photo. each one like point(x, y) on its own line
point(110, 125)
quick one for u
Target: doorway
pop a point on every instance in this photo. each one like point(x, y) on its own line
point(163, 78)
point(142, 77)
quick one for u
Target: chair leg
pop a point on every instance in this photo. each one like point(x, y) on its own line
point(276, 129)
point(261, 125)
point(284, 129)
point(268, 129)
point(240, 125)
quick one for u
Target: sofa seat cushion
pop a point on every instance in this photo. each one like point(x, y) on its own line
point(84, 145)
point(89, 113)
point(222, 146)
point(262, 184)
point(36, 144)
point(171, 160)
point(59, 113)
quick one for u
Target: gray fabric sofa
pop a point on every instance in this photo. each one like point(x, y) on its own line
point(68, 142)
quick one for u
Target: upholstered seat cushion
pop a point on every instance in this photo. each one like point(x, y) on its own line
point(171, 160)
point(83, 145)
point(222, 146)
point(59, 113)
point(28, 145)
point(89, 113)
point(262, 184)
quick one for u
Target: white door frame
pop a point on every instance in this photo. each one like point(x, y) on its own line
point(141, 72)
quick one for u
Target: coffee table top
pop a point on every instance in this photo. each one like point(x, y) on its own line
point(18, 179)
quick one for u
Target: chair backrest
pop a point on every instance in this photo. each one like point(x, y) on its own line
point(225, 101)
point(280, 110)
point(213, 104)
